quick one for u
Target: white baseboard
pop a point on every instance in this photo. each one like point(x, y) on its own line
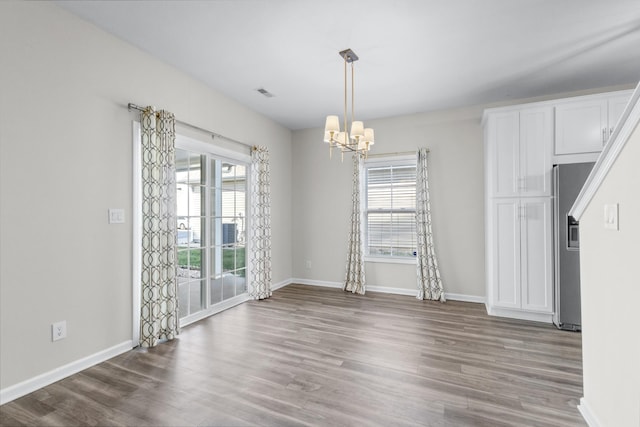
point(18, 390)
point(587, 413)
point(322, 283)
point(389, 290)
point(519, 314)
point(281, 284)
point(465, 298)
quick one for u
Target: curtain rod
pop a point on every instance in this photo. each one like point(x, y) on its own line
point(132, 106)
point(401, 153)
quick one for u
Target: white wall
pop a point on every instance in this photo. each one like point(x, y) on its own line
point(611, 296)
point(322, 194)
point(66, 157)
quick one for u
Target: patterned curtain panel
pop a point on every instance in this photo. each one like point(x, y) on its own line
point(159, 304)
point(354, 278)
point(260, 231)
point(429, 283)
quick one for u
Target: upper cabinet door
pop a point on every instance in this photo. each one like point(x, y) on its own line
point(581, 126)
point(617, 105)
point(536, 141)
point(519, 152)
point(503, 154)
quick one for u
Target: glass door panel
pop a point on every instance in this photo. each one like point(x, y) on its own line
point(211, 230)
point(190, 249)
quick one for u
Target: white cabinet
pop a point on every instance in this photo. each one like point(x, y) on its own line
point(504, 271)
point(520, 273)
point(522, 142)
point(519, 147)
point(536, 243)
point(536, 142)
point(519, 150)
point(617, 105)
point(584, 125)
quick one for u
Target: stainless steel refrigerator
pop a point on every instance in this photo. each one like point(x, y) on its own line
point(568, 180)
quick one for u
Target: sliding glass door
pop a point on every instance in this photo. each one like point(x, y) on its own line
point(211, 195)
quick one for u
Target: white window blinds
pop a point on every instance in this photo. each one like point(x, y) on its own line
point(390, 209)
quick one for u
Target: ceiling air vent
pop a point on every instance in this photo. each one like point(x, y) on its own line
point(265, 92)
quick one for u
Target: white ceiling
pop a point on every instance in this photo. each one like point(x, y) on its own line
point(415, 55)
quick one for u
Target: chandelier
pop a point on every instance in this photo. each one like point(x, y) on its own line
point(360, 139)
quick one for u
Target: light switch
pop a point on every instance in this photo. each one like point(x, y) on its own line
point(116, 216)
point(611, 217)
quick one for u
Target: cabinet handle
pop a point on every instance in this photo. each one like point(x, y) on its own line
point(604, 135)
point(522, 213)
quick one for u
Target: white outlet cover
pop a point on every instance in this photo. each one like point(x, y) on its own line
point(58, 330)
point(116, 216)
point(611, 217)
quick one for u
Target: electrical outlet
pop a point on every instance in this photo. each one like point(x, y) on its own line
point(307, 264)
point(116, 216)
point(58, 330)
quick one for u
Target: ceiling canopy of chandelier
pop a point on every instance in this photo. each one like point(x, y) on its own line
point(360, 139)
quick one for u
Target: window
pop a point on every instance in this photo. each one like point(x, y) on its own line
point(390, 207)
point(211, 194)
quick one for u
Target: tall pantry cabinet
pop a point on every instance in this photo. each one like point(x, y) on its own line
point(521, 145)
point(518, 153)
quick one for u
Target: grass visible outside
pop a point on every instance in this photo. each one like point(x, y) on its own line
point(191, 258)
point(184, 255)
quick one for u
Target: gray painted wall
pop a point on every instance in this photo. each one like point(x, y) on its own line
point(66, 157)
point(322, 194)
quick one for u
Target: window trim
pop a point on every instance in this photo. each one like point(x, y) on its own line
point(382, 161)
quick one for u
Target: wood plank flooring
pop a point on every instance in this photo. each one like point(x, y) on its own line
point(323, 357)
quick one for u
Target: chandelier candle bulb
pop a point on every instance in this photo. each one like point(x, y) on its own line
point(368, 136)
point(332, 124)
point(357, 130)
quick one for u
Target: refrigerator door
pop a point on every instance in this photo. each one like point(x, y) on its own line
point(568, 181)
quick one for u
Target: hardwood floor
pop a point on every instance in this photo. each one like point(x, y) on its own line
point(320, 356)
